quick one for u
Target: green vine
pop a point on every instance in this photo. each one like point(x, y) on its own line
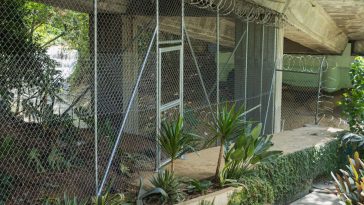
point(288, 177)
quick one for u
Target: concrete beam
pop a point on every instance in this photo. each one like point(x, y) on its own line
point(86, 6)
point(309, 25)
point(312, 27)
point(358, 47)
point(275, 5)
point(201, 28)
point(291, 47)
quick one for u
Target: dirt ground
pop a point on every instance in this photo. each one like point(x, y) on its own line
point(299, 109)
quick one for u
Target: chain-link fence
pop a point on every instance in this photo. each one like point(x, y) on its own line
point(303, 97)
point(84, 86)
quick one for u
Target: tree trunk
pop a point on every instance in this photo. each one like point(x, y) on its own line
point(172, 165)
point(221, 155)
point(18, 101)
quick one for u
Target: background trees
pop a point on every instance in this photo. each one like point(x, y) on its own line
point(29, 81)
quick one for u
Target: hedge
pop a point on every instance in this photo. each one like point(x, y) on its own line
point(290, 176)
point(254, 192)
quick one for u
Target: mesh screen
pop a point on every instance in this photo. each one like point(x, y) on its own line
point(79, 93)
point(301, 89)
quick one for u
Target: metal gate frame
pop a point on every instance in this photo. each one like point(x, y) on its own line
point(178, 102)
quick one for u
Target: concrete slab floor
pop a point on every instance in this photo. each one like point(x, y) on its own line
point(202, 165)
point(317, 198)
point(323, 192)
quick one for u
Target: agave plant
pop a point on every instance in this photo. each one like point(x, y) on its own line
point(174, 141)
point(143, 194)
point(350, 184)
point(249, 149)
point(170, 184)
point(353, 139)
point(110, 199)
point(227, 126)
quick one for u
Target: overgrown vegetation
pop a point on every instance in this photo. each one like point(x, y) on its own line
point(349, 183)
point(19, 50)
point(353, 102)
point(253, 192)
point(34, 139)
point(291, 175)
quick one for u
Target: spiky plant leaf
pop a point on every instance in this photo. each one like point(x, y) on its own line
point(174, 141)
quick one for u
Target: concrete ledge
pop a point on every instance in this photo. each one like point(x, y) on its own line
point(220, 197)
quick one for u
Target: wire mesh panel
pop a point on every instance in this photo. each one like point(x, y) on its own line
point(85, 86)
point(200, 68)
point(46, 133)
point(268, 74)
point(126, 86)
point(300, 90)
point(170, 76)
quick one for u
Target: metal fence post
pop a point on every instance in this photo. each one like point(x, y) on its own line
point(261, 72)
point(218, 59)
point(246, 67)
point(95, 97)
point(158, 97)
point(317, 120)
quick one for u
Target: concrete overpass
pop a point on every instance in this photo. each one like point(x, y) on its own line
point(322, 26)
point(313, 26)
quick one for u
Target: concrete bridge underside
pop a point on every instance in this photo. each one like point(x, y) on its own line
point(323, 26)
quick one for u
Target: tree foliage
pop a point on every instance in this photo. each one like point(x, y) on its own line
point(353, 102)
point(27, 30)
point(24, 63)
point(52, 25)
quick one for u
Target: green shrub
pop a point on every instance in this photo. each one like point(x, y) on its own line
point(353, 102)
point(199, 186)
point(6, 186)
point(250, 148)
point(254, 192)
point(7, 147)
point(291, 175)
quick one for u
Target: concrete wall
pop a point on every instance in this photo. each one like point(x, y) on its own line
point(256, 66)
point(117, 68)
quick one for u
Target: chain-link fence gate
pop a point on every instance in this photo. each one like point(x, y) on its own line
point(85, 85)
point(303, 99)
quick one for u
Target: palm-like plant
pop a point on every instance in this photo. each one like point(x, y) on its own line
point(174, 141)
point(226, 127)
